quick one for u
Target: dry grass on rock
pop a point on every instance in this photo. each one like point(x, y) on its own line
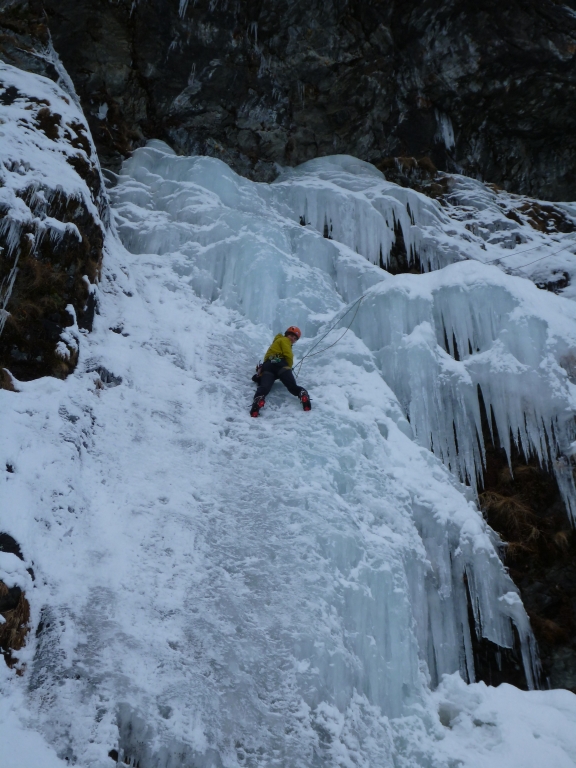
point(15, 628)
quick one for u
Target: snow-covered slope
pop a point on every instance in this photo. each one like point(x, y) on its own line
point(214, 590)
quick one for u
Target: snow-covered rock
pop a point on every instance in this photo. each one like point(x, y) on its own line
point(53, 211)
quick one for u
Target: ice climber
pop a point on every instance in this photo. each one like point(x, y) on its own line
point(277, 364)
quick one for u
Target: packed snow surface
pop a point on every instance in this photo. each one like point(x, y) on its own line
point(216, 590)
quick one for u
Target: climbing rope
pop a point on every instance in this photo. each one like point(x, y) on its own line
point(358, 302)
point(526, 250)
point(311, 352)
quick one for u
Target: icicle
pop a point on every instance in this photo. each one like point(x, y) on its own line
point(6, 287)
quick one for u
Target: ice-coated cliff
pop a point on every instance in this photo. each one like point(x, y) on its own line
point(214, 590)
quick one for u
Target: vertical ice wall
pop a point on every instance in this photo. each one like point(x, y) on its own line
point(259, 249)
point(467, 330)
point(440, 340)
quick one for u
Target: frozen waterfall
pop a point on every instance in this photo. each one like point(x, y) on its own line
point(454, 332)
point(214, 590)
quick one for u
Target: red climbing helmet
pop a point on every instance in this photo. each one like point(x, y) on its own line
point(293, 329)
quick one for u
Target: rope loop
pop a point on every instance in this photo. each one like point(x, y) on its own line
point(311, 353)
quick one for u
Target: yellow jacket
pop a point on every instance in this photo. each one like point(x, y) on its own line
point(280, 347)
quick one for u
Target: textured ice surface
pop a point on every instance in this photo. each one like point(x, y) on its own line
point(511, 340)
point(215, 590)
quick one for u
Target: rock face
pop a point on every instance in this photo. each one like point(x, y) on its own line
point(14, 609)
point(52, 204)
point(540, 551)
point(483, 88)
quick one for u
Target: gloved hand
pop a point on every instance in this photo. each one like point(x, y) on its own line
point(256, 377)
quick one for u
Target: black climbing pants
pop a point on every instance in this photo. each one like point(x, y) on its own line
point(272, 371)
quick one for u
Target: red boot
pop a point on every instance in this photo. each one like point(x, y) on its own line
point(257, 403)
point(305, 400)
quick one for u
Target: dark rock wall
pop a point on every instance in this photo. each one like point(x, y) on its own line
point(521, 501)
point(24, 36)
point(525, 507)
point(52, 205)
point(485, 88)
point(14, 609)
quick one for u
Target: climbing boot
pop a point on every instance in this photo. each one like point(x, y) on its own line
point(257, 403)
point(305, 400)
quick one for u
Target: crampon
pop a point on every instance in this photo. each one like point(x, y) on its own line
point(305, 400)
point(257, 403)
